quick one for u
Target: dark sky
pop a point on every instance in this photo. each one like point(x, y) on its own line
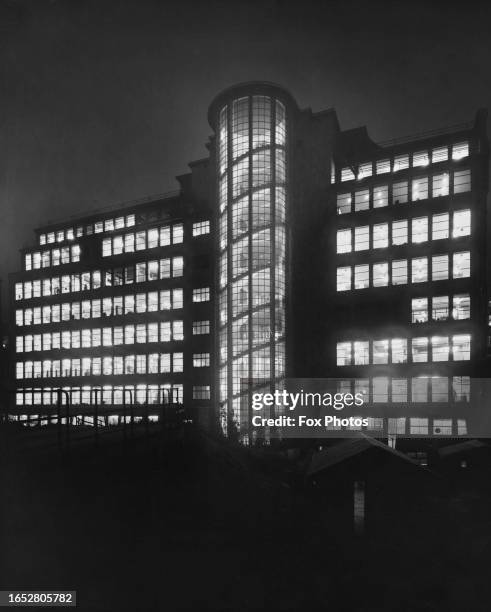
point(105, 100)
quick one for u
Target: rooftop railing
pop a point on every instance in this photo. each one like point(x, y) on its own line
point(458, 127)
point(116, 206)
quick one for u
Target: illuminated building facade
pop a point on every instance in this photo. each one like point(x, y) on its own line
point(117, 308)
point(409, 268)
point(251, 149)
point(294, 249)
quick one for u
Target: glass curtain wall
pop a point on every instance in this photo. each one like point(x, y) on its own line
point(252, 242)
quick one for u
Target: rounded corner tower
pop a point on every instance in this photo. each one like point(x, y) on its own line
point(251, 122)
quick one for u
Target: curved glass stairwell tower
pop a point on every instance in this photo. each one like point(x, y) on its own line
point(251, 128)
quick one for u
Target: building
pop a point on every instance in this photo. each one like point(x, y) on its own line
point(330, 255)
point(117, 308)
point(409, 247)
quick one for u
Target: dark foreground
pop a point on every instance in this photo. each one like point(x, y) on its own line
point(209, 527)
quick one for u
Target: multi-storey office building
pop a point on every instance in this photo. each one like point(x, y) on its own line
point(409, 262)
point(340, 257)
point(117, 308)
point(333, 256)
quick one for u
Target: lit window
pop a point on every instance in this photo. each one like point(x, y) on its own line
point(380, 236)
point(461, 347)
point(461, 388)
point(361, 353)
point(362, 276)
point(129, 243)
point(399, 392)
point(364, 170)
point(201, 295)
point(261, 168)
point(440, 348)
point(343, 203)
point(399, 272)
point(380, 351)
point(141, 303)
point(130, 220)
point(65, 255)
point(347, 174)
point(439, 393)
point(440, 185)
point(419, 426)
point(419, 309)
point(107, 336)
point(439, 154)
point(19, 318)
point(362, 238)
point(106, 247)
point(439, 267)
point(19, 370)
point(141, 241)
point(343, 241)
point(383, 166)
point(420, 159)
point(380, 196)
point(419, 270)
point(153, 270)
point(461, 223)
point(177, 330)
point(200, 228)
point(109, 225)
point(129, 304)
point(98, 227)
point(439, 229)
point(441, 427)
point(96, 279)
point(399, 350)
point(460, 150)
point(399, 232)
point(380, 389)
point(36, 260)
point(119, 222)
point(419, 230)
point(420, 350)
point(343, 279)
point(141, 272)
point(141, 333)
point(440, 308)
point(153, 238)
point(201, 360)
point(380, 274)
point(461, 306)
point(27, 290)
point(419, 189)
point(362, 200)
point(343, 353)
point(153, 363)
point(462, 181)
point(153, 301)
point(177, 298)
point(141, 364)
point(401, 162)
point(461, 265)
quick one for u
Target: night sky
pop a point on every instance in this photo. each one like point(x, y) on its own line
point(105, 100)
